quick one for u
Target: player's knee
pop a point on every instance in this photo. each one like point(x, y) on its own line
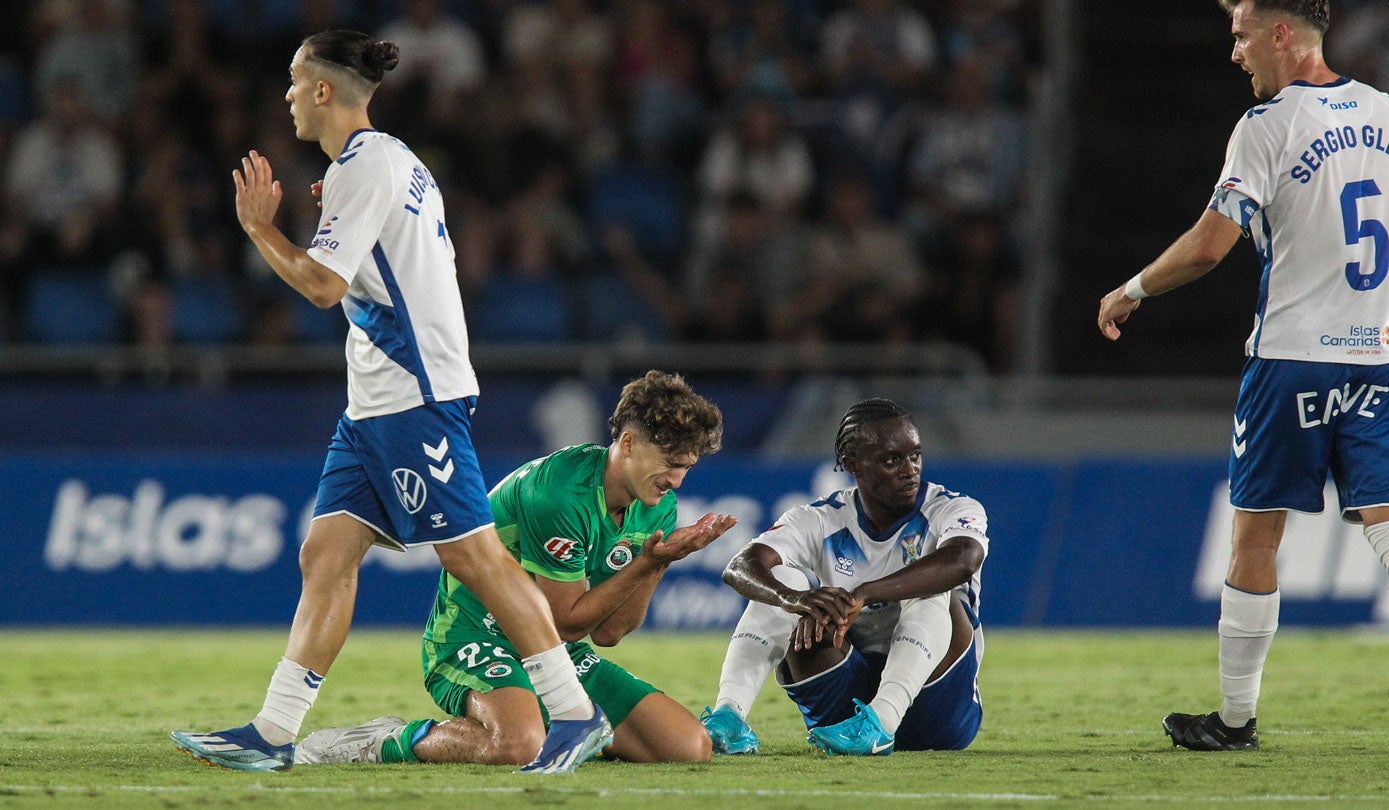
point(698, 747)
point(516, 746)
point(319, 560)
point(791, 577)
point(690, 744)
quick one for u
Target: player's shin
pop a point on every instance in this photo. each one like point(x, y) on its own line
point(758, 644)
point(919, 642)
point(557, 685)
point(1247, 624)
point(1378, 535)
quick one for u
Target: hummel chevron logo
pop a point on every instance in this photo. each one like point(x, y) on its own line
point(437, 452)
point(1239, 443)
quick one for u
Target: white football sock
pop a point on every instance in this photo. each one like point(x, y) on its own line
point(293, 689)
point(1247, 624)
point(557, 684)
point(758, 644)
point(919, 642)
point(1378, 535)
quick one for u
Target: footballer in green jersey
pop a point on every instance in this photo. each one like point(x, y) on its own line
point(552, 515)
point(596, 527)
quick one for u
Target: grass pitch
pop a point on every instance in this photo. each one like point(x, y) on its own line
point(1069, 719)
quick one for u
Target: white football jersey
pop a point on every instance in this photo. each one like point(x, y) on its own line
point(1307, 177)
point(382, 230)
point(831, 541)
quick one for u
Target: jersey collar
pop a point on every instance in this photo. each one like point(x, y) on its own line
point(347, 147)
point(1339, 81)
point(889, 532)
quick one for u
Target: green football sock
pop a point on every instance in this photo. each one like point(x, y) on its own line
point(399, 747)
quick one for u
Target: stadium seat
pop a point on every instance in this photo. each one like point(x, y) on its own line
point(206, 311)
point(523, 310)
point(614, 310)
point(70, 307)
point(645, 202)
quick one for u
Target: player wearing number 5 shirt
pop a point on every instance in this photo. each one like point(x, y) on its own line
point(1306, 178)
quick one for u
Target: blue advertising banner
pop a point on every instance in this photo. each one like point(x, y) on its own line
point(182, 538)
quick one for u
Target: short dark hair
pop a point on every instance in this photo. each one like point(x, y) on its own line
point(865, 413)
point(669, 414)
point(1316, 12)
point(355, 52)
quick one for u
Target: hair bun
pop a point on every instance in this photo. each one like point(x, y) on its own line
point(386, 55)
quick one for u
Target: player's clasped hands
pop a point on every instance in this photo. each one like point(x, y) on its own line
point(811, 630)
point(686, 540)
point(831, 605)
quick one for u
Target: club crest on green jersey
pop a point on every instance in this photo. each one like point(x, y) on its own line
point(620, 555)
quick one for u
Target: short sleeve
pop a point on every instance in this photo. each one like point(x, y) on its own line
point(1250, 174)
point(962, 516)
point(356, 201)
point(552, 535)
point(796, 537)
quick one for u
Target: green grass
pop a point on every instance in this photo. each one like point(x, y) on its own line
point(1070, 719)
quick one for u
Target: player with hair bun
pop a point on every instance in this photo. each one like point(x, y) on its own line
point(401, 470)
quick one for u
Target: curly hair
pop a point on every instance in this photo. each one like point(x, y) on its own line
point(667, 412)
point(851, 427)
point(1316, 12)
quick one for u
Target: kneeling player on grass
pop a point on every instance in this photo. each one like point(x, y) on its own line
point(885, 652)
point(596, 527)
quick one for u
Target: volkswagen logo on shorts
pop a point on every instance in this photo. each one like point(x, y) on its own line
point(410, 488)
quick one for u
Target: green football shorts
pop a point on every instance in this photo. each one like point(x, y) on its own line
point(484, 662)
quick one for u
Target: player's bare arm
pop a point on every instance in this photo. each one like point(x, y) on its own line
point(686, 540)
point(258, 196)
point(750, 574)
point(953, 563)
point(660, 552)
point(617, 606)
point(1194, 254)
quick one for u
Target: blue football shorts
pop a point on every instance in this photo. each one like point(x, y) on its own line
point(413, 476)
point(1295, 421)
point(944, 716)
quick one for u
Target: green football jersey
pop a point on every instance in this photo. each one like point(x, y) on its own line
point(551, 516)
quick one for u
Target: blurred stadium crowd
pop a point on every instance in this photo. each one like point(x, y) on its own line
point(698, 170)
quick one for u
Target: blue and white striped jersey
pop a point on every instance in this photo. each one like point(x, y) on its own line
point(1307, 177)
point(831, 541)
point(382, 230)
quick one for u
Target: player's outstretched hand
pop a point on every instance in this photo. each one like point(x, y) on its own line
point(316, 189)
point(258, 193)
point(686, 540)
point(1115, 308)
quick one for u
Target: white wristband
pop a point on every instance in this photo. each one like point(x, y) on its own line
point(1134, 289)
